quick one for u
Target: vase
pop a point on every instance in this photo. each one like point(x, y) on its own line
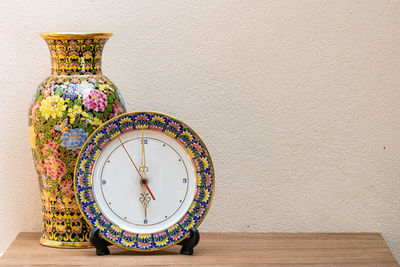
point(66, 108)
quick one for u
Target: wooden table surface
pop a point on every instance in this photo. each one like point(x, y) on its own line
point(217, 249)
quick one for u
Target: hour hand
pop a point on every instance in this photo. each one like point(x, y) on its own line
point(144, 199)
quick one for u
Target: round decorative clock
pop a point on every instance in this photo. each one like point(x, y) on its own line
point(144, 181)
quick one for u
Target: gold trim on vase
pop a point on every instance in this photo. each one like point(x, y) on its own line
point(75, 35)
point(61, 244)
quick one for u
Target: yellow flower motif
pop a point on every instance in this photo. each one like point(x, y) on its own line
point(76, 229)
point(142, 126)
point(207, 195)
point(205, 162)
point(74, 112)
point(190, 225)
point(128, 242)
point(53, 106)
point(158, 118)
point(52, 198)
point(90, 119)
point(162, 242)
point(85, 115)
point(96, 121)
point(60, 228)
point(144, 236)
point(105, 87)
point(32, 135)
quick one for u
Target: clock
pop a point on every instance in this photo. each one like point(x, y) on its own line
point(144, 181)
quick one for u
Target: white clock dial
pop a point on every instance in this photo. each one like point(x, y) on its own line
point(169, 173)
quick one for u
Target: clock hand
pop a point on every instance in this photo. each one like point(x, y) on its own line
point(144, 199)
point(143, 168)
point(142, 180)
point(143, 159)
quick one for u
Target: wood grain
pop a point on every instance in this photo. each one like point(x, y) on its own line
point(219, 249)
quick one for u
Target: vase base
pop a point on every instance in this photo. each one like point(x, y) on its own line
point(61, 244)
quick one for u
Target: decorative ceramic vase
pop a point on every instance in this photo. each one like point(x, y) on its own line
point(66, 108)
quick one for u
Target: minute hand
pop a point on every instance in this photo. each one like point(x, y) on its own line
point(143, 168)
point(141, 177)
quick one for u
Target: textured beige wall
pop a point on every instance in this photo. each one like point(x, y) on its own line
point(298, 102)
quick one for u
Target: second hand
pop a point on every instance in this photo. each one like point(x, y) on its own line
point(141, 177)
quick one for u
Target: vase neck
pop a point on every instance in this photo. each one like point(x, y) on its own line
point(76, 56)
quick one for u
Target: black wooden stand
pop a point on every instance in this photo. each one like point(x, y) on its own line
point(190, 242)
point(101, 244)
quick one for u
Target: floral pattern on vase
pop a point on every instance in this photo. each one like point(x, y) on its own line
point(66, 108)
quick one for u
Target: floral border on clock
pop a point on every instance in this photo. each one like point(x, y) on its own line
point(193, 145)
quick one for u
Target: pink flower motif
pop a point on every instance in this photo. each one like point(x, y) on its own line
point(144, 245)
point(183, 219)
point(50, 146)
point(74, 80)
point(66, 187)
point(47, 90)
point(87, 54)
point(177, 235)
point(60, 53)
point(54, 167)
point(112, 130)
point(60, 208)
point(208, 179)
point(111, 235)
point(88, 149)
point(174, 124)
point(200, 212)
point(141, 117)
point(61, 229)
point(74, 207)
point(73, 54)
point(117, 110)
point(198, 147)
point(48, 208)
point(156, 127)
point(89, 212)
point(34, 109)
point(95, 100)
point(48, 219)
point(76, 229)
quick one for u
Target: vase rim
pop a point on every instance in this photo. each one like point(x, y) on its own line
point(74, 35)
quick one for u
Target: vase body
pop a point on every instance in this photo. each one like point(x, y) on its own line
point(66, 108)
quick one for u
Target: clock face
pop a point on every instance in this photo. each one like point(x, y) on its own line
point(144, 179)
point(169, 173)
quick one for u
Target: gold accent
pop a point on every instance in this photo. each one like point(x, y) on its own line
point(75, 35)
point(143, 166)
point(58, 205)
point(144, 199)
point(61, 244)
